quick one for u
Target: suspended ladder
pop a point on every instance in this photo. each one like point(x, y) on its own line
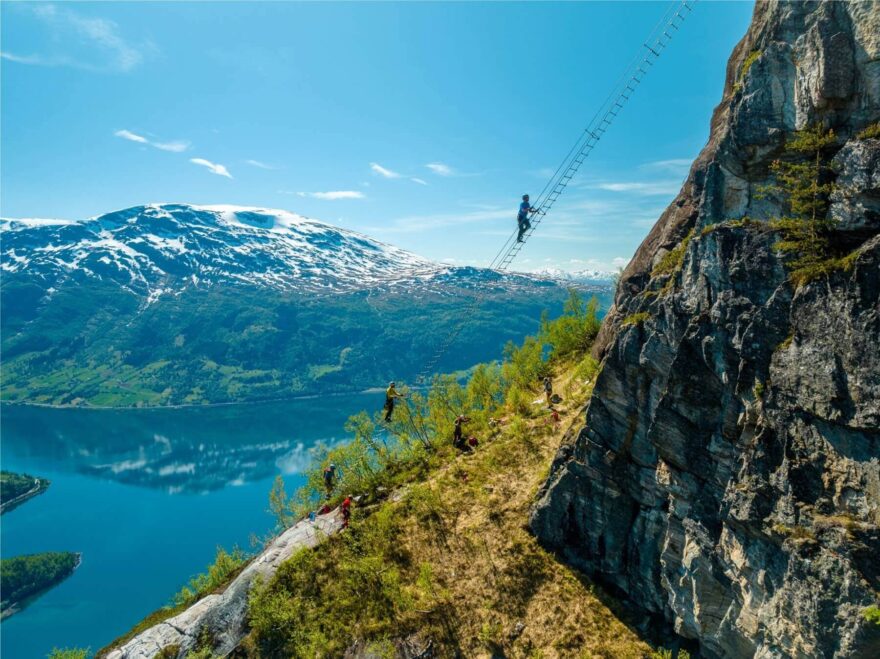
point(621, 92)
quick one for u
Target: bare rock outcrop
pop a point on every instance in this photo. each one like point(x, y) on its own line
point(727, 478)
point(222, 618)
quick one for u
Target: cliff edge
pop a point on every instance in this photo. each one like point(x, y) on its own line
point(726, 479)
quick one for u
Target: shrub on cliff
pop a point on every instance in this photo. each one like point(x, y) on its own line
point(804, 184)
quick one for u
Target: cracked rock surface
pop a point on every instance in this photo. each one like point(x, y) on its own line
point(726, 480)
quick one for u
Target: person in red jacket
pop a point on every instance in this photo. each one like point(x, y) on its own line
point(346, 511)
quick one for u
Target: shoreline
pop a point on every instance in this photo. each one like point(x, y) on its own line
point(182, 406)
point(18, 607)
point(40, 486)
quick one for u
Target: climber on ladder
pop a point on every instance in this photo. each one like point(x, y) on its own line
point(522, 218)
point(390, 394)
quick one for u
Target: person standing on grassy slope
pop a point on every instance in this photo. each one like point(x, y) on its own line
point(390, 394)
point(548, 391)
point(330, 478)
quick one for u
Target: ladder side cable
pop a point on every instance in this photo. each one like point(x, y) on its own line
point(621, 92)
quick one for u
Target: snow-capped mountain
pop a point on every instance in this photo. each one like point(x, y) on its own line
point(576, 276)
point(174, 304)
point(163, 248)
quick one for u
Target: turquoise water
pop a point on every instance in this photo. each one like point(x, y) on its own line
point(146, 496)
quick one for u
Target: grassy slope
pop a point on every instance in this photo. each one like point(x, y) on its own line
point(469, 572)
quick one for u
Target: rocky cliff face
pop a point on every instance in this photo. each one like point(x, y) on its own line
point(726, 479)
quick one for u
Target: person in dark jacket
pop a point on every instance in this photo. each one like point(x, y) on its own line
point(330, 478)
point(522, 218)
point(458, 440)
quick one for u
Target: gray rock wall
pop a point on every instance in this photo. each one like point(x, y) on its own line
point(726, 479)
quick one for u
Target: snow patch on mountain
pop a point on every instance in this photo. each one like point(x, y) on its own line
point(163, 249)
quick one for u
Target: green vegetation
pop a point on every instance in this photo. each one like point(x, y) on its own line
point(447, 557)
point(744, 69)
point(15, 489)
point(872, 614)
point(636, 318)
point(27, 576)
point(744, 222)
point(872, 132)
point(450, 559)
point(672, 261)
point(572, 333)
point(220, 345)
point(225, 566)
point(69, 653)
point(758, 390)
point(804, 183)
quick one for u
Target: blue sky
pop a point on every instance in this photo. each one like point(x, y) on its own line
point(420, 124)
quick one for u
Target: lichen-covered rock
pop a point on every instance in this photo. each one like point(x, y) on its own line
point(727, 478)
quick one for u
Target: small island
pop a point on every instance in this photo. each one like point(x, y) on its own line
point(15, 489)
point(26, 577)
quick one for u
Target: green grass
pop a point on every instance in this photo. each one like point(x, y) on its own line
point(672, 261)
point(872, 132)
point(636, 318)
point(744, 69)
point(809, 273)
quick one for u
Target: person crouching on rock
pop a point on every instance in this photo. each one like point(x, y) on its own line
point(458, 440)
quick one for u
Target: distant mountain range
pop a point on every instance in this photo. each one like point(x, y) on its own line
point(177, 304)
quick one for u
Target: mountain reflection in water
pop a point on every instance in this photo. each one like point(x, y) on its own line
point(189, 450)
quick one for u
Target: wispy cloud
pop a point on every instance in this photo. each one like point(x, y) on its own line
point(212, 167)
point(176, 146)
point(102, 46)
point(382, 171)
point(333, 195)
point(651, 188)
point(260, 165)
point(677, 166)
point(440, 169)
point(131, 137)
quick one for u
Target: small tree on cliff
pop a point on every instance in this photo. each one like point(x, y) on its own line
point(804, 183)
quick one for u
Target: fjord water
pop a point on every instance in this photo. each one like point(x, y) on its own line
point(146, 496)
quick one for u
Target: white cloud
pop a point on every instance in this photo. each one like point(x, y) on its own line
point(176, 147)
point(333, 195)
point(260, 165)
point(673, 165)
point(214, 168)
point(382, 171)
point(641, 188)
point(420, 181)
point(128, 135)
point(105, 49)
point(440, 169)
point(619, 262)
